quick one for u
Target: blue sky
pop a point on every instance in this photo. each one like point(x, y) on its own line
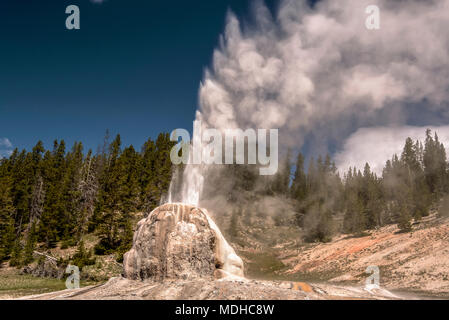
point(134, 67)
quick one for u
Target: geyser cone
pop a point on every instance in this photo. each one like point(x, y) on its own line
point(180, 241)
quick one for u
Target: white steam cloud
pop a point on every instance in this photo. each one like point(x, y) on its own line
point(319, 72)
point(377, 145)
point(4, 142)
point(5, 147)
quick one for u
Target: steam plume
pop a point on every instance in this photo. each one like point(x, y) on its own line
point(318, 74)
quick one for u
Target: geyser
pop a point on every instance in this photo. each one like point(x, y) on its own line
point(180, 241)
point(193, 179)
point(318, 73)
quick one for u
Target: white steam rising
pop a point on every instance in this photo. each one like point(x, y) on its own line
point(321, 67)
point(318, 72)
point(376, 145)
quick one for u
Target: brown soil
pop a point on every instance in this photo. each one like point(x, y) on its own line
point(417, 261)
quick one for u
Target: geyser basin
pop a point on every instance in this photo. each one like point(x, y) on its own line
point(180, 241)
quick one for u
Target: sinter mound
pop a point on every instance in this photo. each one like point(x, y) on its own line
point(178, 241)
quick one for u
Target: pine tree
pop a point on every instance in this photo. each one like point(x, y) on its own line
point(71, 193)
point(21, 186)
point(299, 183)
point(109, 204)
point(318, 224)
point(16, 254)
point(7, 234)
point(371, 198)
point(37, 202)
point(435, 165)
point(30, 245)
point(281, 180)
point(129, 162)
point(87, 188)
point(323, 192)
point(159, 181)
point(82, 256)
point(54, 218)
point(38, 188)
point(404, 219)
point(355, 218)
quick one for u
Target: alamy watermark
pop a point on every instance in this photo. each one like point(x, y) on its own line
point(73, 20)
point(373, 281)
point(73, 280)
point(372, 22)
point(207, 147)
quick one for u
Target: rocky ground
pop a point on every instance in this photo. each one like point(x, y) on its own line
point(412, 265)
point(119, 288)
point(179, 253)
point(409, 262)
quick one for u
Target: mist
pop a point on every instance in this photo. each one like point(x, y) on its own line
point(320, 77)
point(320, 74)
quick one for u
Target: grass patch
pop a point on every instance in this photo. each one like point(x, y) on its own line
point(262, 265)
point(14, 285)
point(266, 266)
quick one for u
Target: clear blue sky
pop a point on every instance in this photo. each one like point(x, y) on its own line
point(134, 67)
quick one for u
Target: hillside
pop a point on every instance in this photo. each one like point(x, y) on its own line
point(416, 262)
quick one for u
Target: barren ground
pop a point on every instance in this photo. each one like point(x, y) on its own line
point(409, 262)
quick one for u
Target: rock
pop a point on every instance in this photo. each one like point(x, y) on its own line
point(178, 241)
point(44, 269)
point(202, 289)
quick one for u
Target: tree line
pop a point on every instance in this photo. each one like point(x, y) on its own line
point(326, 202)
point(410, 184)
point(51, 196)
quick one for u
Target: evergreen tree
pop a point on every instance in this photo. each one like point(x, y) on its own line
point(109, 204)
point(281, 180)
point(323, 192)
point(53, 221)
point(404, 219)
point(21, 186)
point(129, 163)
point(435, 165)
point(299, 183)
point(355, 198)
point(7, 234)
point(16, 254)
point(30, 245)
point(87, 194)
point(82, 256)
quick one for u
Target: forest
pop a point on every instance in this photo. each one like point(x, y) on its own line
point(57, 196)
point(51, 196)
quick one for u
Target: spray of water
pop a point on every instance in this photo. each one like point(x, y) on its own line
point(193, 175)
point(319, 75)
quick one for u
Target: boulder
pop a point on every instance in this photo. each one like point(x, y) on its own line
point(178, 241)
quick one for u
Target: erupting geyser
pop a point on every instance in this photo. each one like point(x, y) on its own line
point(193, 179)
point(180, 241)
